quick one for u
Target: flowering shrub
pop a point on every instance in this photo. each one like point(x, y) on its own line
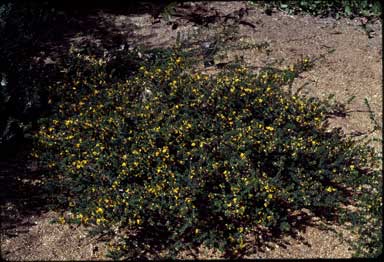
point(187, 158)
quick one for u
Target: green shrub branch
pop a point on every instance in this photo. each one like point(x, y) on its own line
point(189, 159)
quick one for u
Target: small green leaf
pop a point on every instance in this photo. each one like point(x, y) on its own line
point(285, 227)
point(347, 10)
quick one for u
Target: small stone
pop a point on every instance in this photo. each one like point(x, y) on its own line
point(306, 211)
point(49, 61)
point(315, 219)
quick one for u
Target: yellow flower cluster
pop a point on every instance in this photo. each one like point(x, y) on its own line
point(178, 152)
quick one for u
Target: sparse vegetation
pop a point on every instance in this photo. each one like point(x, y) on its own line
point(347, 8)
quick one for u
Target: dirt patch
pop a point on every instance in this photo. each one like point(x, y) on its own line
point(39, 239)
point(354, 68)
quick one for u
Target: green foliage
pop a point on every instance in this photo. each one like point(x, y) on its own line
point(172, 156)
point(370, 219)
point(348, 8)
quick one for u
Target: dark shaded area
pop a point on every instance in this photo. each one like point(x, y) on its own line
point(33, 49)
point(21, 195)
point(301, 220)
point(150, 242)
point(32, 31)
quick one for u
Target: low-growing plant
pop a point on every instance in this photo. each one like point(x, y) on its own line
point(347, 8)
point(174, 158)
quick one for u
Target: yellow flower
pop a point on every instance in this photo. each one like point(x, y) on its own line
point(135, 152)
point(242, 155)
point(330, 189)
point(61, 220)
point(241, 244)
point(165, 149)
point(68, 122)
point(124, 164)
point(99, 210)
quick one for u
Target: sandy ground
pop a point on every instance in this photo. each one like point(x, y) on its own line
point(354, 68)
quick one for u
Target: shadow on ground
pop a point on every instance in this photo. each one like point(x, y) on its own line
point(21, 194)
point(31, 30)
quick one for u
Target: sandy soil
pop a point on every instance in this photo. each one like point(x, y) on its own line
point(353, 69)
